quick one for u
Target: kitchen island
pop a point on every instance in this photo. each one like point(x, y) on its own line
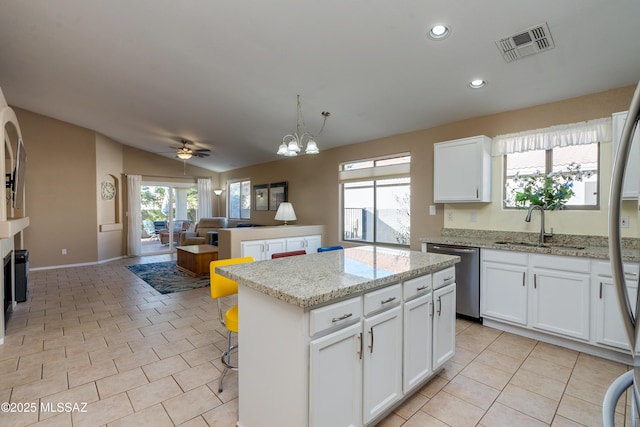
point(342, 337)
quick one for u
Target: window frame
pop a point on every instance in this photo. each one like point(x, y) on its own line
point(548, 165)
point(385, 172)
point(240, 181)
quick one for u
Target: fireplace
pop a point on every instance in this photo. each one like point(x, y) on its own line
point(7, 288)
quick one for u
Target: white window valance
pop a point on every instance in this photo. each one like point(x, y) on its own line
point(597, 130)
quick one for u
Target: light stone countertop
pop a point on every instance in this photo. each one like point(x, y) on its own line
point(595, 247)
point(320, 278)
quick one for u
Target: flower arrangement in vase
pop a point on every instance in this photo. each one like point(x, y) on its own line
point(551, 191)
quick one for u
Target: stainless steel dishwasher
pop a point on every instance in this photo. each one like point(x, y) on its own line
point(467, 278)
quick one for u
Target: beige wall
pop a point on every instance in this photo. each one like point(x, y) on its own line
point(314, 190)
point(109, 220)
point(60, 191)
point(65, 167)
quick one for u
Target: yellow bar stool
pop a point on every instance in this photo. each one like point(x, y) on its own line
point(223, 287)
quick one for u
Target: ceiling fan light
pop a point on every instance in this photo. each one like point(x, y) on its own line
point(184, 155)
point(312, 147)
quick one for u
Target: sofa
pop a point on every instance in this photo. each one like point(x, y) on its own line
point(200, 235)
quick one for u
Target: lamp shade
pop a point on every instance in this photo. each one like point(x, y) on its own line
point(285, 212)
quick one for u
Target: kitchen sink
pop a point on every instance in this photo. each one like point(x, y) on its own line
point(538, 245)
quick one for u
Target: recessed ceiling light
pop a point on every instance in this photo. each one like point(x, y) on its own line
point(477, 84)
point(439, 32)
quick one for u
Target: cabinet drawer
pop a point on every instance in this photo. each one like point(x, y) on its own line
point(340, 313)
point(504, 257)
point(382, 298)
point(418, 286)
point(564, 263)
point(444, 277)
point(603, 268)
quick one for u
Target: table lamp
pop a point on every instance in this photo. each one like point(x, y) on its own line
point(285, 212)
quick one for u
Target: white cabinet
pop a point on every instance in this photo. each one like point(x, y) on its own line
point(462, 170)
point(417, 315)
point(261, 250)
point(503, 286)
point(610, 329)
point(335, 378)
point(630, 184)
point(382, 367)
point(308, 243)
point(444, 324)
point(560, 300)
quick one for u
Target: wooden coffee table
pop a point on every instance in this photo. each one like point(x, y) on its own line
point(195, 259)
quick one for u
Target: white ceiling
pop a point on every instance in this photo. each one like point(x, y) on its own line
point(226, 73)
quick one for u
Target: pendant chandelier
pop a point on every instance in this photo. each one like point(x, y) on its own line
point(293, 143)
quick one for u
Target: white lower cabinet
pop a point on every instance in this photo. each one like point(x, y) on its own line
point(610, 329)
point(390, 347)
point(444, 324)
point(335, 378)
point(418, 337)
point(382, 367)
point(560, 298)
point(310, 244)
point(503, 292)
point(261, 250)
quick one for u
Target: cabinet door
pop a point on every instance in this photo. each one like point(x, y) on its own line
point(630, 183)
point(462, 170)
point(417, 341)
point(312, 243)
point(254, 248)
point(273, 246)
point(560, 302)
point(503, 292)
point(609, 327)
point(444, 325)
point(335, 379)
point(295, 243)
point(382, 377)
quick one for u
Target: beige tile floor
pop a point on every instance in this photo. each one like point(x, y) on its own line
point(98, 335)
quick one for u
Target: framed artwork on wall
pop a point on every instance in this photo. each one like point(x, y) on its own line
point(277, 194)
point(261, 197)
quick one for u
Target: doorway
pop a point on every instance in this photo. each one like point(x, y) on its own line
point(167, 209)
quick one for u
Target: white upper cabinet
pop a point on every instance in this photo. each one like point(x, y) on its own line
point(630, 184)
point(462, 170)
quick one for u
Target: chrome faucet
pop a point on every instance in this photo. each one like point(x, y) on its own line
point(543, 233)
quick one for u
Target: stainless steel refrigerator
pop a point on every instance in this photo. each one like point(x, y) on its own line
point(629, 315)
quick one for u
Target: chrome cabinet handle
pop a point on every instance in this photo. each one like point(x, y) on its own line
point(439, 306)
point(523, 277)
point(535, 281)
point(388, 300)
point(371, 346)
point(360, 352)
point(422, 288)
point(446, 279)
point(344, 316)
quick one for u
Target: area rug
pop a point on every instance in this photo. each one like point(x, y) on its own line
point(166, 278)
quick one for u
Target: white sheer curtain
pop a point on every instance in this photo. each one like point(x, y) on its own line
point(134, 219)
point(597, 130)
point(204, 198)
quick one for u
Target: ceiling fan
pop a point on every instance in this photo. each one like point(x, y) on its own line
point(184, 153)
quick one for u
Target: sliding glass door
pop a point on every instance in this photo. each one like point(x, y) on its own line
point(167, 210)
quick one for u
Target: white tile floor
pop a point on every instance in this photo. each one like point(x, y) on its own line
point(99, 335)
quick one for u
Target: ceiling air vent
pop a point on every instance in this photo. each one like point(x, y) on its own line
point(524, 43)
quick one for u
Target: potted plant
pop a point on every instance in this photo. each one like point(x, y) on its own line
point(551, 191)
